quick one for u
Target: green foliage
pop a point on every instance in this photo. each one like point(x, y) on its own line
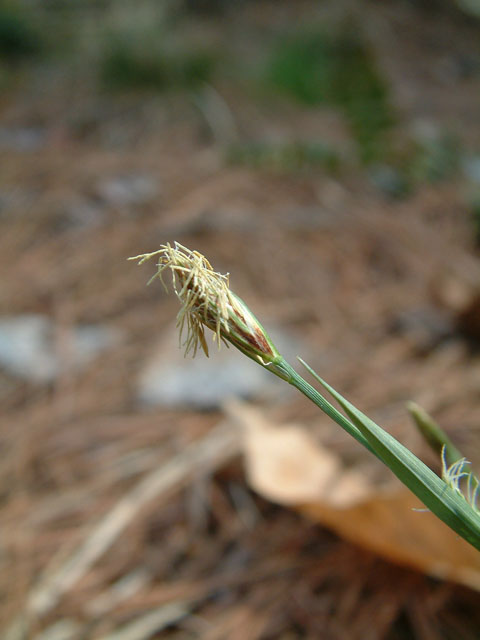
point(207, 7)
point(475, 215)
point(471, 7)
point(445, 501)
point(129, 63)
point(296, 156)
point(434, 159)
point(18, 37)
point(433, 435)
point(391, 180)
point(429, 159)
point(319, 68)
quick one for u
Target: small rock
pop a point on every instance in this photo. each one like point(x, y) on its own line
point(471, 168)
point(127, 190)
point(389, 181)
point(16, 199)
point(28, 348)
point(85, 214)
point(307, 219)
point(171, 380)
point(24, 139)
point(89, 340)
point(425, 327)
point(218, 220)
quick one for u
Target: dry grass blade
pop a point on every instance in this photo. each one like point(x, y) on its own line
point(154, 621)
point(61, 630)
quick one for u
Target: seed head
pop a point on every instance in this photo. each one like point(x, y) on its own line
point(208, 302)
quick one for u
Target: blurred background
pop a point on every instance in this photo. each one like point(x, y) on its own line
point(327, 155)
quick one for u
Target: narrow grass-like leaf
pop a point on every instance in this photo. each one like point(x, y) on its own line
point(433, 435)
point(445, 503)
point(285, 371)
point(207, 302)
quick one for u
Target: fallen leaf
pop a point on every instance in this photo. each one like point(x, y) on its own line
point(287, 465)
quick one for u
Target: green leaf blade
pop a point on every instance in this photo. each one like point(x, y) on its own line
point(448, 505)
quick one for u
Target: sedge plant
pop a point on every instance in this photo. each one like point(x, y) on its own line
point(207, 302)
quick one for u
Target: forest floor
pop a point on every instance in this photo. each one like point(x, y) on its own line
point(122, 520)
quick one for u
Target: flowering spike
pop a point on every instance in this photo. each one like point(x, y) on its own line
point(208, 302)
point(453, 476)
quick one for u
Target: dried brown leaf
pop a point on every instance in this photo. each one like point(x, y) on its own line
point(287, 465)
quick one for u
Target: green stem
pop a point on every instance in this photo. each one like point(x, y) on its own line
point(446, 504)
point(288, 373)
